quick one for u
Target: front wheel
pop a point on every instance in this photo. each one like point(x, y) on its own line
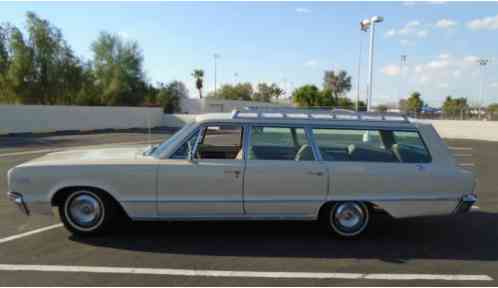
point(347, 219)
point(87, 212)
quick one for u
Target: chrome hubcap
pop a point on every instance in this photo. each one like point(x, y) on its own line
point(349, 217)
point(85, 210)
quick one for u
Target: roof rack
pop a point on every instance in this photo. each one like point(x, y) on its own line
point(315, 114)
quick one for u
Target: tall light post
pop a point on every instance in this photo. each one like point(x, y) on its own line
point(401, 64)
point(482, 64)
point(362, 29)
point(215, 56)
point(366, 24)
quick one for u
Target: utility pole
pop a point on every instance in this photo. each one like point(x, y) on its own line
point(366, 24)
point(401, 64)
point(215, 56)
point(363, 28)
point(482, 64)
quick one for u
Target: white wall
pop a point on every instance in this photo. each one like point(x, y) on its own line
point(455, 129)
point(39, 119)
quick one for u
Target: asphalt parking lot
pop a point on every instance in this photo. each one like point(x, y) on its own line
point(190, 254)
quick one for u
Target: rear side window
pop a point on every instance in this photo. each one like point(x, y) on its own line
point(371, 145)
point(352, 145)
point(409, 147)
point(279, 143)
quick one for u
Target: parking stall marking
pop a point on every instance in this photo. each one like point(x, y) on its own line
point(29, 233)
point(463, 155)
point(239, 274)
point(460, 148)
point(467, 164)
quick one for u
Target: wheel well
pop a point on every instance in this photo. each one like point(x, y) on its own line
point(61, 194)
point(371, 207)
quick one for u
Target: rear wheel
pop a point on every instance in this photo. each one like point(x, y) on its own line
point(347, 219)
point(87, 212)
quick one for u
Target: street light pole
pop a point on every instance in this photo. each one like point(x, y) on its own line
point(482, 64)
point(370, 23)
point(401, 63)
point(215, 56)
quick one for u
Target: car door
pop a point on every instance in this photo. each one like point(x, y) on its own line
point(282, 178)
point(203, 178)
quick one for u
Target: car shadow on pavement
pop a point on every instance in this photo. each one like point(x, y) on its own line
point(463, 237)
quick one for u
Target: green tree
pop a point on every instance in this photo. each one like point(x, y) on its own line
point(57, 71)
point(38, 69)
point(413, 104)
point(382, 108)
point(307, 96)
point(493, 108)
point(454, 107)
point(339, 83)
point(266, 93)
point(493, 111)
point(241, 92)
point(20, 77)
point(118, 70)
point(170, 96)
point(198, 75)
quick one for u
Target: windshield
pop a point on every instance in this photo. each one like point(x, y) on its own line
point(155, 151)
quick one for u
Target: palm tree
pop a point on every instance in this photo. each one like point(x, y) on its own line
point(198, 74)
point(337, 83)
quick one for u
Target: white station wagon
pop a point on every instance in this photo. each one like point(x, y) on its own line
point(335, 166)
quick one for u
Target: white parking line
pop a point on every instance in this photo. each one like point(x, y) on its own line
point(463, 155)
point(461, 148)
point(29, 233)
point(466, 164)
point(75, 147)
point(242, 274)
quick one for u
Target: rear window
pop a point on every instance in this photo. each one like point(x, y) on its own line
point(410, 148)
point(370, 145)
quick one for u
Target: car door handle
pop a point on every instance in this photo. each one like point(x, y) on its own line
point(420, 167)
point(236, 172)
point(315, 173)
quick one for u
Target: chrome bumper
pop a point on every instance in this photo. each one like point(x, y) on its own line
point(465, 204)
point(17, 199)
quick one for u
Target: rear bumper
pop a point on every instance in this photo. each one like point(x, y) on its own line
point(465, 204)
point(18, 200)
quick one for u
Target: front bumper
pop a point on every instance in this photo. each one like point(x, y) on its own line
point(17, 199)
point(465, 204)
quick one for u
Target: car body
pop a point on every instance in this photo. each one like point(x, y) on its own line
point(257, 165)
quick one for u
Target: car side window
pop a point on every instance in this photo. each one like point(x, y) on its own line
point(352, 145)
point(185, 149)
point(279, 143)
point(221, 142)
point(409, 147)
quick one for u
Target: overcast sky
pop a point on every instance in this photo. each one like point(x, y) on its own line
point(293, 43)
